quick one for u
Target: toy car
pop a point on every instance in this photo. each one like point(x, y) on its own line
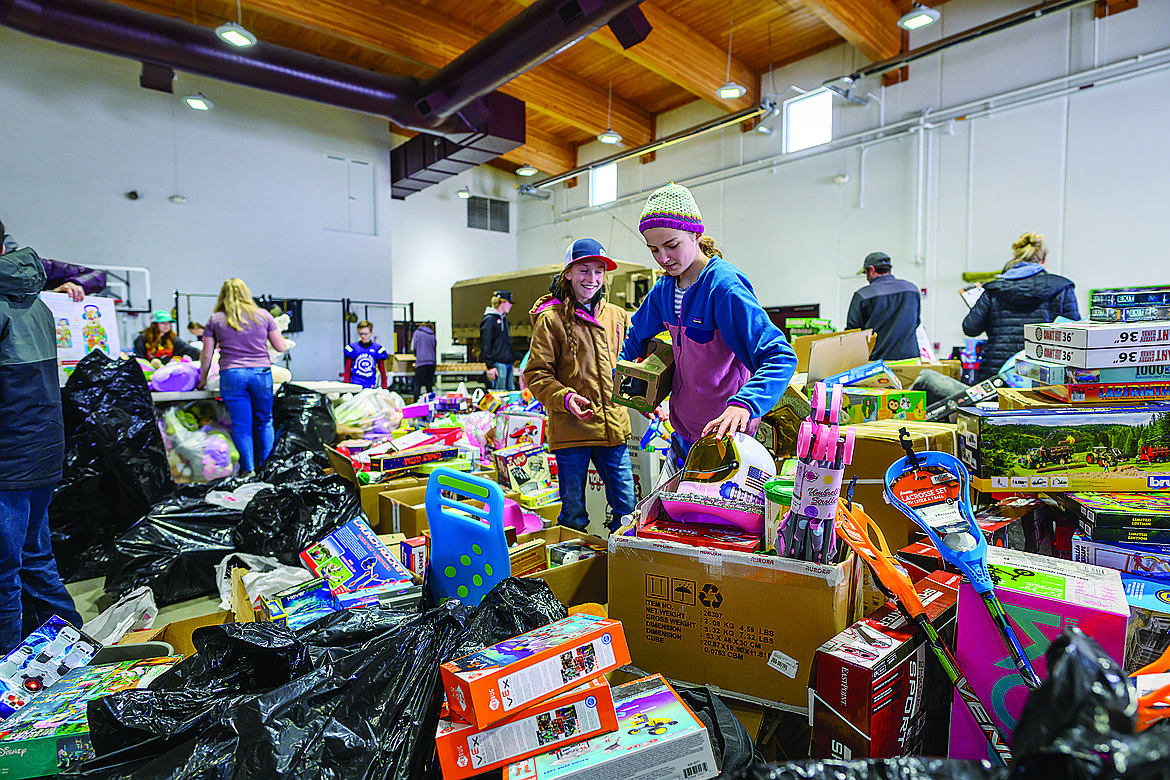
point(654, 726)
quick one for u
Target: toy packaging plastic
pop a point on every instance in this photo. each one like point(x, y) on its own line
point(485, 687)
point(1148, 633)
point(52, 731)
point(353, 558)
point(877, 690)
point(584, 712)
point(1148, 560)
point(44, 657)
point(564, 553)
point(657, 737)
point(1041, 596)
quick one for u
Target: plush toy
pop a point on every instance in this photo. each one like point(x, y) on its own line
point(219, 454)
point(148, 367)
point(178, 376)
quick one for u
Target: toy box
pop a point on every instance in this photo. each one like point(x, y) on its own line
point(1041, 596)
point(1148, 633)
point(300, 605)
point(1082, 449)
point(874, 374)
point(1099, 335)
point(1117, 510)
point(1129, 313)
point(1106, 393)
point(658, 738)
point(522, 465)
point(878, 691)
point(389, 596)
point(485, 687)
point(865, 404)
point(1147, 560)
point(542, 497)
point(584, 712)
point(564, 553)
point(719, 537)
point(1103, 357)
point(515, 429)
point(1096, 376)
point(352, 558)
point(52, 732)
point(413, 554)
point(1130, 296)
point(412, 458)
point(43, 658)
point(644, 385)
point(987, 390)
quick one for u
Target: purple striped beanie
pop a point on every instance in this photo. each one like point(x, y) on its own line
point(671, 206)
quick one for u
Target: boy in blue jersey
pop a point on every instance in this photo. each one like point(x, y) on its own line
point(363, 355)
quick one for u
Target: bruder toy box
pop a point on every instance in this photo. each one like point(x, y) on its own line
point(495, 683)
point(1096, 449)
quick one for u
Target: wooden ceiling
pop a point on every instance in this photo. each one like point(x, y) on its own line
point(685, 56)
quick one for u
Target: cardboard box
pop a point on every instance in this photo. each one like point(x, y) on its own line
point(1089, 449)
point(539, 498)
point(1130, 296)
point(1147, 560)
point(178, 633)
point(408, 459)
point(52, 731)
point(402, 362)
point(45, 656)
point(643, 386)
point(658, 738)
point(486, 687)
point(721, 538)
point(725, 618)
point(1105, 394)
point(1148, 632)
point(1099, 335)
point(528, 557)
point(1045, 397)
point(465, 750)
point(908, 370)
point(874, 374)
point(413, 553)
point(403, 511)
point(1116, 510)
point(802, 346)
point(517, 467)
point(582, 582)
point(865, 404)
point(1129, 313)
point(836, 353)
point(1056, 374)
point(516, 429)
point(1041, 596)
point(879, 690)
point(352, 558)
point(1104, 357)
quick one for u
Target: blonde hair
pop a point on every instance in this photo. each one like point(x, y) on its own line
point(562, 290)
point(1028, 248)
point(497, 300)
point(236, 303)
point(709, 248)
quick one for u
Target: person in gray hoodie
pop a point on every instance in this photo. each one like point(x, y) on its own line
point(32, 451)
point(422, 344)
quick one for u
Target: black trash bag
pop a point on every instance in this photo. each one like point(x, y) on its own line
point(731, 742)
point(287, 519)
point(201, 489)
point(173, 550)
point(370, 714)
point(906, 768)
point(304, 423)
point(1081, 722)
point(301, 467)
point(115, 467)
point(348, 629)
point(514, 606)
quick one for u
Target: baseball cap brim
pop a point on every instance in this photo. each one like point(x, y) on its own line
point(610, 265)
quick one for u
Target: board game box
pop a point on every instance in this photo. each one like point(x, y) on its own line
point(1148, 633)
point(1117, 510)
point(1130, 296)
point(658, 738)
point(1148, 560)
point(353, 558)
point(1099, 335)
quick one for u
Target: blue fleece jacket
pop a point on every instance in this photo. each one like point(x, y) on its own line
point(726, 349)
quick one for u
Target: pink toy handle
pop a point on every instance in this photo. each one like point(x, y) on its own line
point(804, 439)
point(819, 402)
point(827, 442)
point(847, 454)
point(834, 414)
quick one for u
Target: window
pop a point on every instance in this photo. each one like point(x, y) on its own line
point(488, 214)
point(808, 120)
point(603, 185)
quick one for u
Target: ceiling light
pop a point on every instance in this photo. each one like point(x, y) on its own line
point(178, 200)
point(919, 16)
point(464, 193)
point(236, 34)
point(610, 137)
point(199, 102)
point(731, 91)
point(764, 130)
point(525, 170)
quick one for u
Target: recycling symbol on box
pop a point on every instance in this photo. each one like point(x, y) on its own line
point(710, 596)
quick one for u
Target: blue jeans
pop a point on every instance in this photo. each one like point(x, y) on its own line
point(247, 394)
point(30, 588)
point(504, 376)
point(613, 466)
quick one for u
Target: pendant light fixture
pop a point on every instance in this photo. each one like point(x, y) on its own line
point(199, 102)
point(919, 16)
point(464, 192)
point(730, 90)
point(235, 33)
point(609, 136)
point(525, 170)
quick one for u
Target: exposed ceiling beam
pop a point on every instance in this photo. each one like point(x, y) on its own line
point(870, 25)
point(544, 151)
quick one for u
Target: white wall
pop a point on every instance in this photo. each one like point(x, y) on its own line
point(77, 132)
point(1086, 170)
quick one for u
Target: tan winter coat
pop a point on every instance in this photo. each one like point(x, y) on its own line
point(549, 372)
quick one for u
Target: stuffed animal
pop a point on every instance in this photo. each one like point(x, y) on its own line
point(178, 376)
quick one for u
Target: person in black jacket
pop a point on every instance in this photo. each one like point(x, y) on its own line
point(495, 342)
point(160, 342)
point(1022, 294)
point(890, 307)
point(32, 450)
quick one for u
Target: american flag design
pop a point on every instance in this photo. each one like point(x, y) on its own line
point(755, 479)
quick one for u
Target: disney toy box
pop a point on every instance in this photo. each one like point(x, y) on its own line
point(658, 738)
point(52, 732)
point(42, 659)
point(584, 712)
point(353, 558)
point(486, 687)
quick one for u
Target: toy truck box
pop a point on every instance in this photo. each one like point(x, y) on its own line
point(584, 712)
point(1041, 596)
point(878, 691)
point(51, 733)
point(486, 687)
point(353, 558)
point(867, 404)
point(1148, 633)
point(1099, 335)
point(643, 385)
point(658, 738)
point(1080, 449)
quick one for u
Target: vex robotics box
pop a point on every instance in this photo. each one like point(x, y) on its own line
point(657, 738)
point(52, 731)
point(1094, 449)
point(493, 684)
point(43, 658)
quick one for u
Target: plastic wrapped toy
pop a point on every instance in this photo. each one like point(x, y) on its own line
point(198, 452)
point(179, 376)
point(723, 483)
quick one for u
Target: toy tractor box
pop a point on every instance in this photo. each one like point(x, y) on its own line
point(643, 385)
point(1078, 449)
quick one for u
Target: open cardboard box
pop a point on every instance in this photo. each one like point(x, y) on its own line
point(178, 633)
point(581, 582)
point(838, 352)
point(369, 493)
point(802, 346)
point(657, 371)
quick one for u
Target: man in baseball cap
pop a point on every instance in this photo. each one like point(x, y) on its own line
point(891, 307)
point(495, 341)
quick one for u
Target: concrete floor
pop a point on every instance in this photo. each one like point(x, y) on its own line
point(90, 600)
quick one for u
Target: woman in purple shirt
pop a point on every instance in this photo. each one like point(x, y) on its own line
point(242, 331)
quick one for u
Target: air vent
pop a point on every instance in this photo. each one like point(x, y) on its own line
point(487, 214)
point(571, 12)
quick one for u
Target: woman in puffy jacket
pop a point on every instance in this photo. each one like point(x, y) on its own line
point(1024, 293)
point(576, 336)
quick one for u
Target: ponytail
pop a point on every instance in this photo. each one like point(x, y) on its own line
point(709, 248)
point(1028, 248)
